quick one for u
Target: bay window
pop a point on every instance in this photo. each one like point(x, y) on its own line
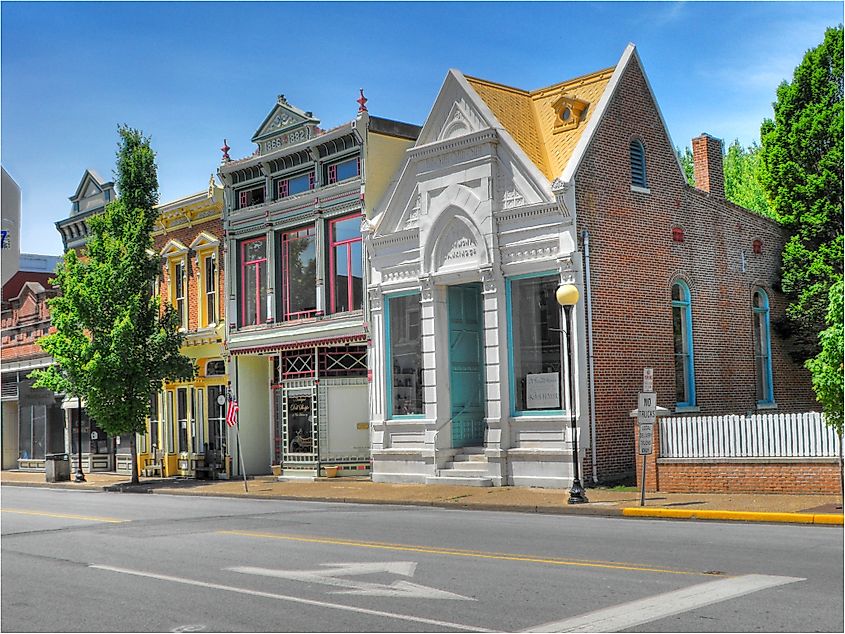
point(535, 351)
point(253, 285)
point(346, 276)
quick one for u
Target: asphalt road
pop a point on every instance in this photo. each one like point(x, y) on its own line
point(91, 561)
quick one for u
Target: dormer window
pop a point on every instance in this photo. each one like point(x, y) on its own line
point(568, 112)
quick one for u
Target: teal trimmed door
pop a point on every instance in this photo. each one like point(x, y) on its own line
point(466, 365)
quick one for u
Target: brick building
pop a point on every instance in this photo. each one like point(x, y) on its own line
point(508, 193)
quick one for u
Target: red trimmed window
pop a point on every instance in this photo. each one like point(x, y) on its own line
point(253, 281)
point(346, 277)
point(249, 197)
point(342, 170)
point(294, 185)
point(299, 273)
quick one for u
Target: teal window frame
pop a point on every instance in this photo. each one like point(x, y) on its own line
point(761, 319)
point(388, 358)
point(685, 305)
point(515, 413)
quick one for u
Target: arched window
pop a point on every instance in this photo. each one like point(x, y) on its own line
point(762, 348)
point(638, 175)
point(682, 331)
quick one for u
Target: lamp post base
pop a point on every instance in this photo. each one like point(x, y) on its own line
point(79, 477)
point(577, 495)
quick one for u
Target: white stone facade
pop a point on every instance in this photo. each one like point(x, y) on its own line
point(468, 208)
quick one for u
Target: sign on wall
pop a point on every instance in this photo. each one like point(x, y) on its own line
point(542, 391)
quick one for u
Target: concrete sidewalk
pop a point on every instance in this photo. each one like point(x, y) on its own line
point(808, 509)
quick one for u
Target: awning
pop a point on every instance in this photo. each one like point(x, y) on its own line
point(298, 345)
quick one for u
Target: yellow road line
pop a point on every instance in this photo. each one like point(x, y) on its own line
point(462, 553)
point(68, 516)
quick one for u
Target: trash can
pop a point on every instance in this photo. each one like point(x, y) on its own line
point(57, 467)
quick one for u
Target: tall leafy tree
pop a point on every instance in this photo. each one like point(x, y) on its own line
point(114, 345)
point(742, 182)
point(687, 164)
point(827, 366)
point(801, 161)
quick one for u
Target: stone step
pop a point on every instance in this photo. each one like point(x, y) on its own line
point(463, 473)
point(466, 466)
point(470, 481)
point(471, 457)
point(471, 450)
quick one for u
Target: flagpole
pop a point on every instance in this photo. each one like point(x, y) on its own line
point(233, 415)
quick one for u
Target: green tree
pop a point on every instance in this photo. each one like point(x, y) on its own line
point(801, 161)
point(113, 345)
point(742, 182)
point(827, 367)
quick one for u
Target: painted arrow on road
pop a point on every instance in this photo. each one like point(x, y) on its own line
point(336, 575)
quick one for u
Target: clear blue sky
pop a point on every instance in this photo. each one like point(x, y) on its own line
point(190, 74)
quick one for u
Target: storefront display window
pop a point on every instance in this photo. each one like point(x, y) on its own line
point(536, 340)
point(405, 393)
point(300, 419)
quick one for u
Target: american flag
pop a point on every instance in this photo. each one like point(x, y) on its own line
point(232, 413)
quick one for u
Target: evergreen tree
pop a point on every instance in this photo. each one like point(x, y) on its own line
point(801, 170)
point(113, 345)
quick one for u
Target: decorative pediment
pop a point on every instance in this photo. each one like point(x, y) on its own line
point(284, 125)
point(92, 192)
point(457, 244)
point(173, 249)
point(204, 240)
point(569, 111)
point(461, 120)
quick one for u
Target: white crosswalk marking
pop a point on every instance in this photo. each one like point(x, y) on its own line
point(619, 617)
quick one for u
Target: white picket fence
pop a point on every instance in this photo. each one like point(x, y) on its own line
point(758, 436)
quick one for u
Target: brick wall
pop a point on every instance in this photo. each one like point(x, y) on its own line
point(186, 235)
point(634, 262)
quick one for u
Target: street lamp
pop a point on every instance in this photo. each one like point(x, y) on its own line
point(79, 476)
point(567, 296)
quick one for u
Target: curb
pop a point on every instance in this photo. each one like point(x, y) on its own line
point(736, 516)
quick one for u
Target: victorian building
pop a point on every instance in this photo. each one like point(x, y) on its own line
point(186, 433)
point(297, 328)
point(508, 194)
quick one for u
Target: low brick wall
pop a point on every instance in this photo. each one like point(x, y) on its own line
point(737, 475)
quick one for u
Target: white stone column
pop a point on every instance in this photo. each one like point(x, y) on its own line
point(376, 356)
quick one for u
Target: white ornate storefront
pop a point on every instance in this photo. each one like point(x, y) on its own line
point(465, 253)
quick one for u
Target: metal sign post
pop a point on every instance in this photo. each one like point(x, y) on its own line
point(646, 415)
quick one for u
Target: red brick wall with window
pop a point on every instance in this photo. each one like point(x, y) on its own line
point(634, 261)
point(186, 235)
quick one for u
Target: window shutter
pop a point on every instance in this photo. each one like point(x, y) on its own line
point(638, 175)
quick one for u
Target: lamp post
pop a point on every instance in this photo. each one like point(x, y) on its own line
point(567, 296)
point(79, 476)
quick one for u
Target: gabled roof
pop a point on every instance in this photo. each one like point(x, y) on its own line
point(88, 176)
point(530, 116)
point(283, 117)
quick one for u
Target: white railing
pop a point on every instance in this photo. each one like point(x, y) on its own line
point(758, 436)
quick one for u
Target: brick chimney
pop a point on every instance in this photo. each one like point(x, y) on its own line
point(707, 163)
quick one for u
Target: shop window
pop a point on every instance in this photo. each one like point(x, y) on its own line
point(342, 170)
point(294, 185)
point(217, 439)
point(250, 197)
point(299, 273)
point(253, 281)
point(33, 432)
point(404, 362)
point(682, 337)
point(535, 356)
point(638, 173)
point(155, 421)
point(346, 274)
point(182, 417)
point(762, 348)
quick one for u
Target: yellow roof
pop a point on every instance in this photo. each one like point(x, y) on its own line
point(530, 117)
